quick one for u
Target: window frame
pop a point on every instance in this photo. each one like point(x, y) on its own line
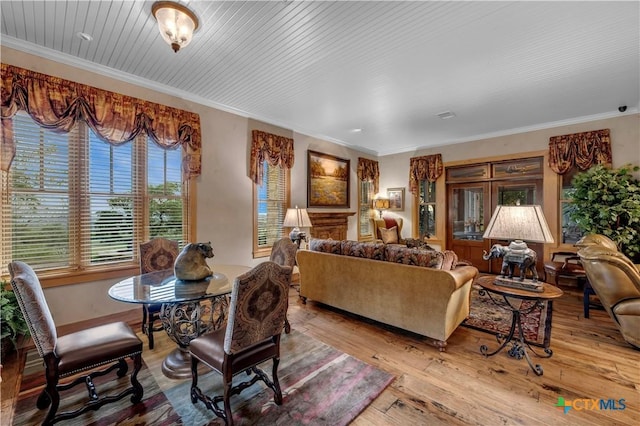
point(419, 203)
point(79, 136)
point(265, 251)
point(365, 204)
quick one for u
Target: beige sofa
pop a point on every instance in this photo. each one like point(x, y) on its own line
point(383, 283)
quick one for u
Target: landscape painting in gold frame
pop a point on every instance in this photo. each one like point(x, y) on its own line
point(327, 180)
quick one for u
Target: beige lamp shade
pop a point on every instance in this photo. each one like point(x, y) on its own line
point(525, 223)
point(297, 218)
point(381, 203)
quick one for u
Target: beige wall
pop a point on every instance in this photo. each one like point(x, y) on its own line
point(224, 190)
point(625, 140)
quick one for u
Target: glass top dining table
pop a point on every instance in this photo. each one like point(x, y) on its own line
point(189, 308)
point(163, 287)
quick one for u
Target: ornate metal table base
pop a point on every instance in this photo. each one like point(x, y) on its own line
point(519, 345)
point(183, 322)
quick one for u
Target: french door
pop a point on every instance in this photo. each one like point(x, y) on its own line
point(472, 201)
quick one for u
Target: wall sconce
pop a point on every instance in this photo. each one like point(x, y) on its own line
point(296, 219)
point(176, 23)
point(380, 204)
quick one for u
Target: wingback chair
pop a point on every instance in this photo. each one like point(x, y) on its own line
point(257, 312)
point(616, 281)
point(86, 350)
point(283, 253)
point(380, 228)
point(155, 255)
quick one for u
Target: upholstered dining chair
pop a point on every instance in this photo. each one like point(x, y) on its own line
point(283, 253)
point(96, 351)
point(155, 255)
point(257, 312)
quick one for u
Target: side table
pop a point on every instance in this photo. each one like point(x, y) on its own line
point(519, 346)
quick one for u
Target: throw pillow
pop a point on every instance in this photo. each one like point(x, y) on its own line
point(389, 236)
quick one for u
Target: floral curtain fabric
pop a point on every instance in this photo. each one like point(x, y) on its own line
point(581, 150)
point(428, 167)
point(368, 170)
point(277, 150)
point(57, 104)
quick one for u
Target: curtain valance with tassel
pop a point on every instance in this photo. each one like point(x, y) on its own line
point(276, 150)
point(368, 170)
point(428, 167)
point(57, 104)
point(581, 150)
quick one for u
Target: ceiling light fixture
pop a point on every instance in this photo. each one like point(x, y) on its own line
point(176, 23)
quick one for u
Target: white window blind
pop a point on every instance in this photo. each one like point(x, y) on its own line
point(364, 209)
point(74, 202)
point(271, 202)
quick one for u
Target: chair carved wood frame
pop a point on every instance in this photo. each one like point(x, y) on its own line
point(88, 350)
point(155, 255)
point(259, 300)
point(283, 253)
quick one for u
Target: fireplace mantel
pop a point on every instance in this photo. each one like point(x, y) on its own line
point(332, 225)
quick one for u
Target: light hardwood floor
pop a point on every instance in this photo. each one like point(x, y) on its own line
point(460, 386)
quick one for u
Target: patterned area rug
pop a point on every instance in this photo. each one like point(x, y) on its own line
point(489, 317)
point(320, 386)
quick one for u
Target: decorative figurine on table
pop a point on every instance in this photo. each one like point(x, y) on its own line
point(516, 254)
point(191, 264)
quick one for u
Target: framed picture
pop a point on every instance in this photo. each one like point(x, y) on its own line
point(396, 198)
point(327, 180)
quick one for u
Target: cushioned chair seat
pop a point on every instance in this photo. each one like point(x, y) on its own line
point(95, 346)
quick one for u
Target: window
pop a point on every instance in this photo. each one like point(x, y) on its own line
point(571, 233)
point(365, 200)
point(72, 202)
point(271, 200)
point(427, 208)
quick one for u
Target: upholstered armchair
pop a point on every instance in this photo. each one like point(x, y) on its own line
point(81, 356)
point(383, 231)
point(283, 253)
point(155, 255)
point(616, 281)
point(259, 300)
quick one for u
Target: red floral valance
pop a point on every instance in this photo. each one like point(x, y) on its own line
point(276, 150)
point(428, 167)
point(368, 170)
point(581, 150)
point(57, 104)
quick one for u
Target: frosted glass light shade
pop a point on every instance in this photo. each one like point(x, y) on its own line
point(176, 23)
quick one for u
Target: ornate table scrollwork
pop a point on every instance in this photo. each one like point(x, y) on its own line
point(189, 308)
point(183, 322)
point(519, 344)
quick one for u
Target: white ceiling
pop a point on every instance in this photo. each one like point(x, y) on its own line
point(325, 68)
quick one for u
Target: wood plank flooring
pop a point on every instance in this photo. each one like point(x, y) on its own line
point(460, 386)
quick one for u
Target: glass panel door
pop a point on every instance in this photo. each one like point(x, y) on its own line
point(468, 208)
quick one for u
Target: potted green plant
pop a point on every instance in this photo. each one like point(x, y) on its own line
point(12, 323)
point(607, 201)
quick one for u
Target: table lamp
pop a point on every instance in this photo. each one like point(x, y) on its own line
point(297, 218)
point(380, 204)
point(519, 224)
